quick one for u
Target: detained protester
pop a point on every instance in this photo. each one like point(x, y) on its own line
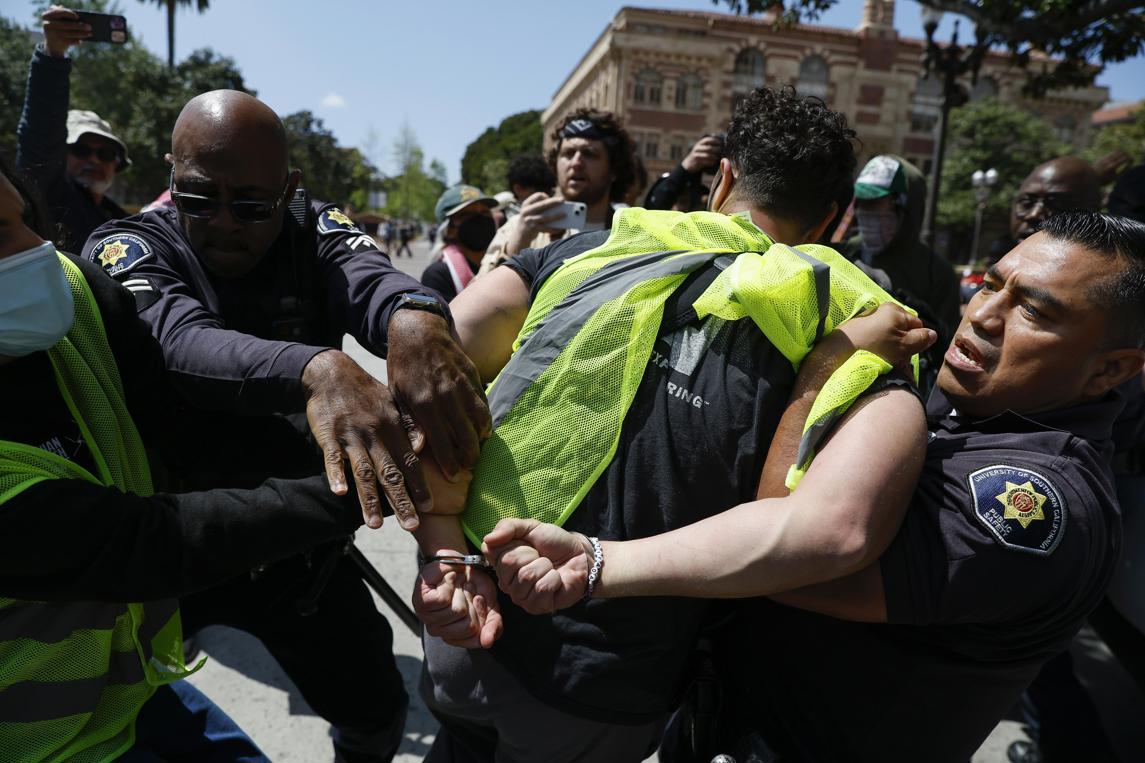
point(249, 287)
point(920, 654)
point(641, 375)
point(464, 215)
point(71, 156)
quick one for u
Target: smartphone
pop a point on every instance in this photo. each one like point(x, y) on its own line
point(572, 215)
point(104, 27)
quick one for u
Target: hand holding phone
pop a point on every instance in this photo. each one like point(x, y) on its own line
point(571, 215)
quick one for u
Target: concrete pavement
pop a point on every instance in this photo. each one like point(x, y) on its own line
point(242, 678)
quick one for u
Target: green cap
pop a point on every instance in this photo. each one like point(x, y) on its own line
point(458, 198)
point(882, 176)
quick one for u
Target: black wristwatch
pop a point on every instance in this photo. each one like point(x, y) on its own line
point(413, 301)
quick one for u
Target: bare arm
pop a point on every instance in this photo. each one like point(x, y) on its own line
point(488, 315)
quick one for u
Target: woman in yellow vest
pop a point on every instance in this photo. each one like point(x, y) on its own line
point(91, 559)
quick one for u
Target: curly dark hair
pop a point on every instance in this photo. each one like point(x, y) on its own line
point(530, 171)
point(35, 216)
point(793, 156)
point(617, 142)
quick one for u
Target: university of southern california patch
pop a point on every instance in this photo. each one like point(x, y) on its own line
point(1022, 509)
point(334, 220)
point(120, 252)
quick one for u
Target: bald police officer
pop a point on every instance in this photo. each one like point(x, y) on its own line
point(249, 288)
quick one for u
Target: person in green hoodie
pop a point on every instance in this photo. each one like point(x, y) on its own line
point(890, 195)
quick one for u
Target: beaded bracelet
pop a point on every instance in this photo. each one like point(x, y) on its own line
point(597, 563)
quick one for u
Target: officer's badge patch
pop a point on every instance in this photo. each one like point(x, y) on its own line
point(120, 252)
point(1022, 509)
point(334, 220)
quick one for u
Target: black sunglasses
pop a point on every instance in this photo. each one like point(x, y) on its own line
point(205, 207)
point(84, 151)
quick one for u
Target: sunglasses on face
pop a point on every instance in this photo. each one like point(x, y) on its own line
point(1051, 202)
point(84, 151)
point(206, 207)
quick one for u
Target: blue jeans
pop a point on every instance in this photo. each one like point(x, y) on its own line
point(180, 723)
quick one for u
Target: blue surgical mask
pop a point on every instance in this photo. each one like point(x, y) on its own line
point(36, 307)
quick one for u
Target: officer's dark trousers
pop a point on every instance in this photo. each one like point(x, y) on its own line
point(341, 656)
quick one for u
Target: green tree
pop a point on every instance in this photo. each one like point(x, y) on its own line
point(1082, 36)
point(15, 50)
point(487, 158)
point(412, 192)
point(171, 5)
point(1128, 137)
point(329, 172)
point(985, 134)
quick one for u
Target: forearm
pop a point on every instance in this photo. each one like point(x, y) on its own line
point(221, 370)
point(42, 131)
point(69, 539)
point(843, 516)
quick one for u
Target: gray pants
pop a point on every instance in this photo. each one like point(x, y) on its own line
point(470, 688)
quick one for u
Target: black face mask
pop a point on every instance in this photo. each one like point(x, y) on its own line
point(476, 232)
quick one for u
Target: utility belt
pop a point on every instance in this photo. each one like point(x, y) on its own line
point(1130, 462)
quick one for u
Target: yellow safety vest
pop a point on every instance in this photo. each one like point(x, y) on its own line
point(73, 676)
point(559, 403)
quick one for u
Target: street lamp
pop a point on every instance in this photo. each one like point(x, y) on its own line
point(949, 64)
point(983, 183)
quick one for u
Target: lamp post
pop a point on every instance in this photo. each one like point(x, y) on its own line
point(947, 63)
point(983, 183)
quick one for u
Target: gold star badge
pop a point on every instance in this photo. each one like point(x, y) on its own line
point(338, 216)
point(1022, 503)
point(112, 253)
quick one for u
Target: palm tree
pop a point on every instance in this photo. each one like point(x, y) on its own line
point(200, 6)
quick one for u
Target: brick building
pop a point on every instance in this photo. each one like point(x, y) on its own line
point(675, 76)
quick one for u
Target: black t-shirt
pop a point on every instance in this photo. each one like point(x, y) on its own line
point(64, 539)
point(437, 277)
point(692, 445)
point(1008, 544)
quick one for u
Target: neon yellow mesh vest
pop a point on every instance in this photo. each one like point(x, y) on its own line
point(73, 676)
point(559, 403)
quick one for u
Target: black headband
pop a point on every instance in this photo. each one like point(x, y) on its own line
point(585, 128)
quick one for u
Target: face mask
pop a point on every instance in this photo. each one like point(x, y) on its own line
point(876, 230)
point(36, 307)
point(476, 232)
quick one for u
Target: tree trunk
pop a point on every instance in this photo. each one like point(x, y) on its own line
point(170, 34)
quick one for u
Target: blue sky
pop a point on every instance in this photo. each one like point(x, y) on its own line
point(447, 68)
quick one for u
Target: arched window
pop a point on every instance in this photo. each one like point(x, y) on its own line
point(987, 87)
point(748, 72)
point(812, 78)
point(690, 92)
point(648, 85)
point(1064, 127)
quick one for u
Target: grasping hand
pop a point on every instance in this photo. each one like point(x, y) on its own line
point(438, 385)
point(540, 566)
point(889, 332)
point(62, 29)
point(353, 417)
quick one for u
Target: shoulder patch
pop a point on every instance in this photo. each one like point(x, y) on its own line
point(334, 220)
point(1022, 509)
point(120, 252)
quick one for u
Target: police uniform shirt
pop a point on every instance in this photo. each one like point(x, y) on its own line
point(241, 344)
point(692, 445)
point(1008, 544)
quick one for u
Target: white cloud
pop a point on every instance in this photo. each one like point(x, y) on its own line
point(333, 101)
